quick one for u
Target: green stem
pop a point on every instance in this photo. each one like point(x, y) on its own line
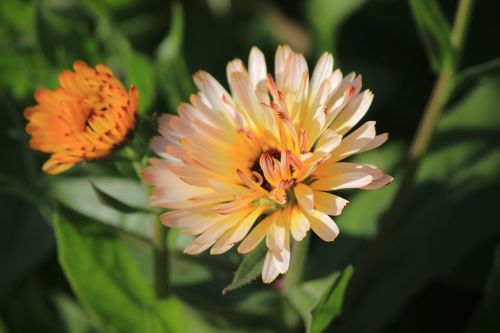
point(159, 238)
point(438, 99)
point(161, 260)
point(298, 260)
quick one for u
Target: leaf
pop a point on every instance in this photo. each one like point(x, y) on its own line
point(305, 297)
point(77, 193)
point(75, 320)
point(434, 31)
point(249, 269)
point(468, 76)
point(107, 281)
point(330, 304)
point(115, 203)
point(139, 72)
point(326, 18)
point(456, 184)
point(172, 72)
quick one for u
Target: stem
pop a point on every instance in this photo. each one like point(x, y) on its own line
point(461, 26)
point(439, 97)
point(161, 261)
point(159, 238)
point(298, 259)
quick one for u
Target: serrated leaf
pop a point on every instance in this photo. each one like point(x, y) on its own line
point(434, 31)
point(112, 202)
point(107, 281)
point(249, 269)
point(330, 304)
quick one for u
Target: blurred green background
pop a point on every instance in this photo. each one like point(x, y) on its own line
point(437, 271)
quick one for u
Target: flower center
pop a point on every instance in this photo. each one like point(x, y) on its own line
point(257, 168)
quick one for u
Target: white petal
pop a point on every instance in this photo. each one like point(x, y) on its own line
point(299, 224)
point(257, 66)
point(269, 270)
point(353, 113)
point(342, 181)
point(322, 71)
point(323, 226)
point(378, 183)
point(354, 142)
point(328, 203)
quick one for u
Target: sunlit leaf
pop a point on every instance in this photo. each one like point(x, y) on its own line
point(434, 31)
point(107, 281)
point(78, 194)
point(115, 203)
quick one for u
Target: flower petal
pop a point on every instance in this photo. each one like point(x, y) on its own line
point(305, 196)
point(323, 225)
point(328, 203)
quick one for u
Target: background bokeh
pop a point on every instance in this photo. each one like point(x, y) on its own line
point(436, 270)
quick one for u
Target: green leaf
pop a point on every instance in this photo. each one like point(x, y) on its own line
point(249, 269)
point(107, 281)
point(326, 17)
point(139, 72)
point(77, 193)
point(305, 297)
point(75, 320)
point(173, 75)
point(330, 304)
point(112, 202)
point(434, 31)
point(471, 75)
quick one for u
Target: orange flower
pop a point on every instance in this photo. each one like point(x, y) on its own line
point(88, 116)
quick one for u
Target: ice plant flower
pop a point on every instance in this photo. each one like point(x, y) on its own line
point(262, 161)
point(85, 118)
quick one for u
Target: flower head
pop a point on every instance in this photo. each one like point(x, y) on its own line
point(85, 118)
point(261, 162)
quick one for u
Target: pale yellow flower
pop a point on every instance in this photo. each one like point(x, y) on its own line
point(261, 162)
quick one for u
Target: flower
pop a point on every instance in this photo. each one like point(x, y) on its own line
point(262, 161)
point(84, 119)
